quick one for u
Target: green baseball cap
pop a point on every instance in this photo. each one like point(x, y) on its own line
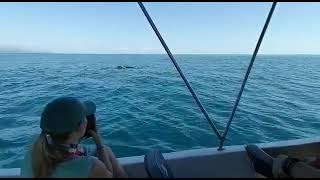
point(64, 114)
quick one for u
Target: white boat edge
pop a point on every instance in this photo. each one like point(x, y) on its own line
point(209, 162)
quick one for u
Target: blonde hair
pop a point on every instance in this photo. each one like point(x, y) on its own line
point(45, 155)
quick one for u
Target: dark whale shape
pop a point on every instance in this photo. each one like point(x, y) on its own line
point(124, 67)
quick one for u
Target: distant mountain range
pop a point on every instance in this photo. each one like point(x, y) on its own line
point(18, 50)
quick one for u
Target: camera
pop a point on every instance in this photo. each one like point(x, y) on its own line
point(91, 125)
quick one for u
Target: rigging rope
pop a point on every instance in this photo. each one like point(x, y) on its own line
point(247, 73)
point(145, 12)
point(221, 137)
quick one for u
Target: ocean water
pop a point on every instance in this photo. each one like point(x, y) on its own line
point(149, 107)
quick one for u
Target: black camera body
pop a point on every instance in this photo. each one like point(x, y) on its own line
point(91, 125)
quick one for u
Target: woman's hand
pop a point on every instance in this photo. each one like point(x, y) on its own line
point(96, 138)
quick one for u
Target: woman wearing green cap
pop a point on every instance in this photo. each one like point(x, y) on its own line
point(57, 152)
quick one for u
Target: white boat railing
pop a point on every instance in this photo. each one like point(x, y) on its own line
point(210, 162)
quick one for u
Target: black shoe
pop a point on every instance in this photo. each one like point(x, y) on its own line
point(156, 166)
point(261, 160)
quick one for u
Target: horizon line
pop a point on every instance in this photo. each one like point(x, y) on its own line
point(157, 53)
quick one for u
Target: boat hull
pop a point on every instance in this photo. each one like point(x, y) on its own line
point(209, 162)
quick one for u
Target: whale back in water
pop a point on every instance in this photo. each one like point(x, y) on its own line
point(124, 67)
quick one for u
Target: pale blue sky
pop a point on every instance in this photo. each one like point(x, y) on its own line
point(188, 28)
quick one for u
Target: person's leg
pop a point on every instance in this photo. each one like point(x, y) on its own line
point(277, 167)
point(296, 169)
